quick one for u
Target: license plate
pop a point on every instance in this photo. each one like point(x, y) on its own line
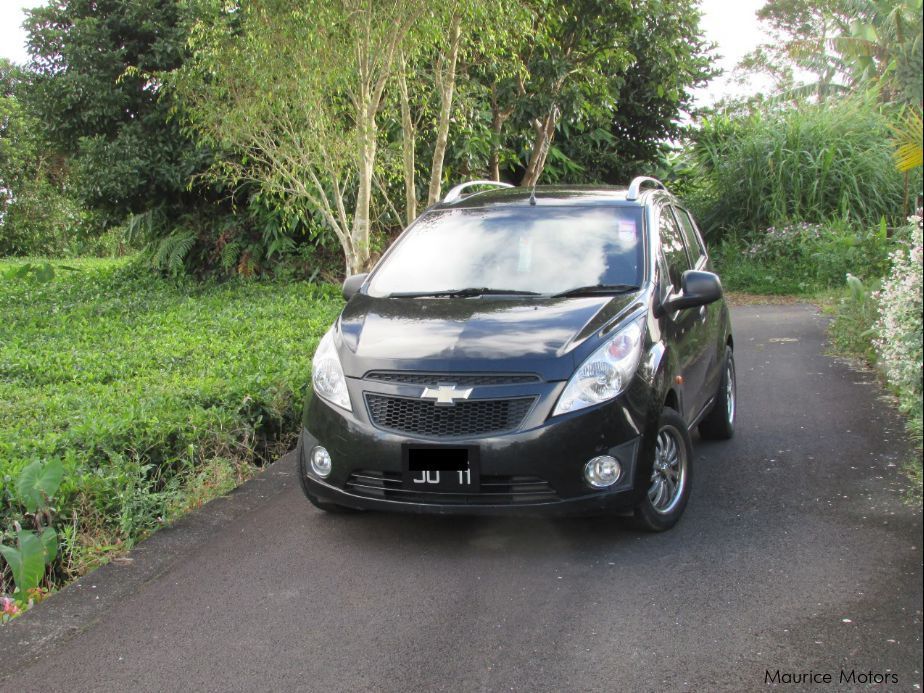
point(440, 468)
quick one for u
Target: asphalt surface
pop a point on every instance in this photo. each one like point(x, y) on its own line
point(796, 554)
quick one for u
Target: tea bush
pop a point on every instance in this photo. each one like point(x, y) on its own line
point(154, 394)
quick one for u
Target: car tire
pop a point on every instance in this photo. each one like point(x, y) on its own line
point(668, 488)
point(720, 423)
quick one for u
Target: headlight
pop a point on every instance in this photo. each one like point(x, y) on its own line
point(327, 374)
point(606, 372)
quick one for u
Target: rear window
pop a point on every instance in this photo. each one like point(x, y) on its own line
point(542, 249)
point(694, 242)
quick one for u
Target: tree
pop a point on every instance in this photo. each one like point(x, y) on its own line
point(330, 108)
point(37, 217)
point(612, 76)
point(574, 58)
point(669, 59)
point(292, 95)
point(97, 94)
point(844, 45)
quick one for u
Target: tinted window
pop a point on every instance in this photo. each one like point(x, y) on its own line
point(541, 249)
point(673, 248)
point(690, 235)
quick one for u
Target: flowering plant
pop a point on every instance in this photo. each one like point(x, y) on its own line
point(898, 328)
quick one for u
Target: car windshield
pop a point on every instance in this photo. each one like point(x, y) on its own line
point(541, 249)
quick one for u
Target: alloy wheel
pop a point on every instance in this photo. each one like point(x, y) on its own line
point(669, 473)
point(730, 390)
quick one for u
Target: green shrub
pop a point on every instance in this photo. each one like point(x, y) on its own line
point(852, 332)
point(154, 394)
point(801, 258)
point(812, 163)
point(885, 328)
point(899, 335)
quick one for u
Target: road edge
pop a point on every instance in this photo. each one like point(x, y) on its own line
point(81, 604)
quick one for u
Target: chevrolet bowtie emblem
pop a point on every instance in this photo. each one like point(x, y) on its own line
point(445, 394)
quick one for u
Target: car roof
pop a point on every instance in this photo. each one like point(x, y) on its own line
point(553, 195)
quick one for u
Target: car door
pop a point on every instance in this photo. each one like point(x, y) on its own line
point(685, 329)
point(713, 354)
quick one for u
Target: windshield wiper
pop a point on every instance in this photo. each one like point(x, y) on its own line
point(463, 293)
point(598, 289)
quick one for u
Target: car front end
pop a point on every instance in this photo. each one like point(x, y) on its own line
point(547, 430)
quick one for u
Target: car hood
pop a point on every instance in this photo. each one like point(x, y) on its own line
point(482, 334)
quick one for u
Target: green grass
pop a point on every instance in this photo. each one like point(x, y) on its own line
point(156, 394)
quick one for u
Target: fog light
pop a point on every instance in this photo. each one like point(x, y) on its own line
point(320, 461)
point(602, 471)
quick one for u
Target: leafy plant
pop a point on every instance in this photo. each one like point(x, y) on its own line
point(909, 141)
point(34, 550)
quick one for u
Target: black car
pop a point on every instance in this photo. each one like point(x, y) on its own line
point(525, 351)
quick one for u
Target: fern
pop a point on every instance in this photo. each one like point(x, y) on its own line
point(229, 255)
point(172, 251)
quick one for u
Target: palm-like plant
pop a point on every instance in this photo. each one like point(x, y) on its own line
point(909, 140)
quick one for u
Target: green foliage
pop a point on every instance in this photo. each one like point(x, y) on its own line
point(848, 46)
point(37, 214)
point(669, 58)
point(278, 88)
point(28, 558)
point(909, 141)
point(852, 332)
point(900, 327)
point(34, 550)
point(37, 483)
point(153, 394)
point(886, 328)
point(812, 164)
point(801, 258)
point(95, 91)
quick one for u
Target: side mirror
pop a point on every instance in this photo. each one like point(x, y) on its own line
point(352, 284)
point(696, 289)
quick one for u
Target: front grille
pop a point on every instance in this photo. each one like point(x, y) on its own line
point(466, 380)
point(465, 418)
point(495, 490)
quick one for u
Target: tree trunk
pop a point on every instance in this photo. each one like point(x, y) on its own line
point(446, 83)
point(498, 118)
point(359, 257)
point(545, 131)
point(408, 139)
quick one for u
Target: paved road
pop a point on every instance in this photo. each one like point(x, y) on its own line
point(795, 554)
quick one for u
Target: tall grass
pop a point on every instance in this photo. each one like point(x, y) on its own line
point(813, 163)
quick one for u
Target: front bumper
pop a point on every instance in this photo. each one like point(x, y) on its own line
point(553, 452)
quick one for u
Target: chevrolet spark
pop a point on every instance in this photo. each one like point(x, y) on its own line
point(545, 351)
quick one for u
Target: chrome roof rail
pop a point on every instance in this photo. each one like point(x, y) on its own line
point(456, 193)
point(635, 187)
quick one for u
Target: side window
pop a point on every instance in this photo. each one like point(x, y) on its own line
point(673, 248)
point(690, 235)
